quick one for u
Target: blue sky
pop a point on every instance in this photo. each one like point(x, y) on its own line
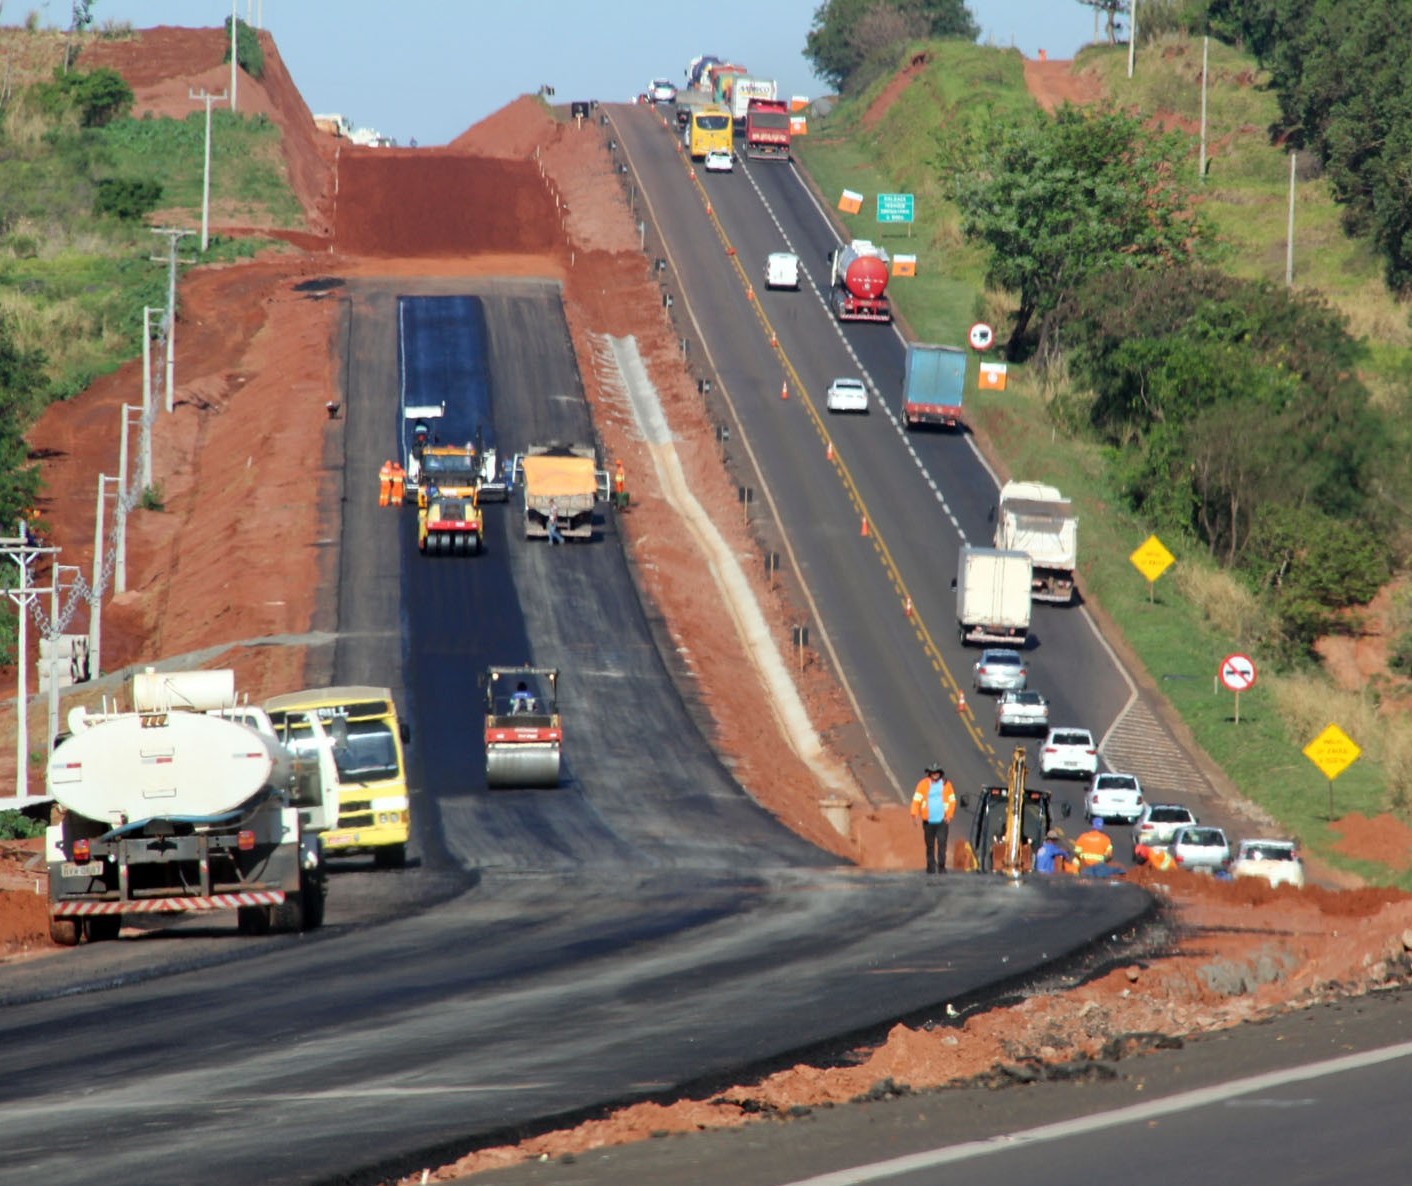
point(431, 68)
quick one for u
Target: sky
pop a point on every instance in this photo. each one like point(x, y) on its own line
point(429, 69)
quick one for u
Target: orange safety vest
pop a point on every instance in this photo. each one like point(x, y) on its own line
point(620, 479)
point(1093, 847)
point(923, 789)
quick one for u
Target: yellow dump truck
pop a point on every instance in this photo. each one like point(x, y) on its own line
point(562, 481)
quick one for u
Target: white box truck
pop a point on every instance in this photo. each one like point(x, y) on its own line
point(993, 596)
point(1039, 521)
point(782, 270)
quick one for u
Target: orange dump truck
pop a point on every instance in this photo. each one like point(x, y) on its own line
point(562, 480)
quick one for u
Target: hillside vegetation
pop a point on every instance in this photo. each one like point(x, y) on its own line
point(1179, 387)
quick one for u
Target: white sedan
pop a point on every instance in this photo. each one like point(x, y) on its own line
point(1114, 796)
point(847, 395)
point(1275, 861)
point(1068, 751)
point(719, 161)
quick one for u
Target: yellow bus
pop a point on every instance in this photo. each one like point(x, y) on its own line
point(373, 809)
point(708, 129)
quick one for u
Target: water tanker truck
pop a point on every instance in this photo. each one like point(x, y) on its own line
point(858, 275)
point(178, 806)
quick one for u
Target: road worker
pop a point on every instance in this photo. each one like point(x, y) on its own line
point(620, 486)
point(1054, 854)
point(1093, 847)
point(1155, 856)
point(933, 805)
point(399, 484)
point(385, 483)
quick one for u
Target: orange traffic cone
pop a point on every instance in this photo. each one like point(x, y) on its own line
point(907, 606)
point(784, 390)
point(774, 341)
point(961, 705)
point(864, 529)
point(749, 292)
point(708, 208)
point(830, 451)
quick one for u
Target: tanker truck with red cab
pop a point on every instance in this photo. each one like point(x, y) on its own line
point(858, 274)
point(767, 130)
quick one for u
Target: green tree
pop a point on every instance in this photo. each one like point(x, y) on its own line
point(845, 33)
point(249, 55)
point(99, 96)
point(1057, 199)
point(127, 198)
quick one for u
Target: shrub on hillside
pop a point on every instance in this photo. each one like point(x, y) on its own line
point(127, 198)
point(248, 53)
point(99, 96)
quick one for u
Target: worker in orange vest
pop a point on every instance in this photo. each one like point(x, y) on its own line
point(385, 484)
point(1094, 847)
point(933, 805)
point(399, 484)
point(1155, 856)
point(620, 486)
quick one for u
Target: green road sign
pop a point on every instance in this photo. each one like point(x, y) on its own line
point(896, 207)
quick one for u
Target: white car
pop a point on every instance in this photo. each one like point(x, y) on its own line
point(1201, 849)
point(1113, 796)
point(1021, 709)
point(719, 161)
point(1159, 822)
point(662, 91)
point(1275, 861)
point(1068, 751)
point(847, 395)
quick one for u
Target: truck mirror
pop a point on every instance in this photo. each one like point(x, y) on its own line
point(1065, 810)
point(405, 731)
point(953, 584)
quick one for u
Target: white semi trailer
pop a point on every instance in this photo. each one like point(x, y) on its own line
point(176, 806)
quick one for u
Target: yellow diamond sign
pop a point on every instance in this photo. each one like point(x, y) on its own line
point(1151, 558)
point(1333, 752)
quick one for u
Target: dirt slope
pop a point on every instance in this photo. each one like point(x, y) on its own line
point(237, 554)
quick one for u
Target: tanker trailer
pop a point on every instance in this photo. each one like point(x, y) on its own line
point(858, 275)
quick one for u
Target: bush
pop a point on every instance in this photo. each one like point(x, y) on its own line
point(248, 54)
point(15, 825)
point(127, 198)
point(99, 97)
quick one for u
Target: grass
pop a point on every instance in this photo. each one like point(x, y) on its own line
point(1198, 614)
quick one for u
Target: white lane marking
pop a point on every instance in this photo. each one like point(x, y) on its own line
point(1185, 1101)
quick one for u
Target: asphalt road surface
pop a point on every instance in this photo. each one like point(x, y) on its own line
point(641, 928)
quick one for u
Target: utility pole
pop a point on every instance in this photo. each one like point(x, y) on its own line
point(208, 99)
point(1205, 60)
point(234, 54)
point(125, 502)
point(173, 235)
point(147, 415)
point(23, 551)
point(95, 617)
point(1132, 34)
point(59, 570)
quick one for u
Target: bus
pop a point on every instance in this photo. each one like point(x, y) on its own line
point(708, 129)
point(367, 736)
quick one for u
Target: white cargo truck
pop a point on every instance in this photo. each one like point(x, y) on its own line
point(992, 596)
point(178, 806)
point(1039, 521)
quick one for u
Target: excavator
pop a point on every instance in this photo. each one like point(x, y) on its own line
point(523, 734)
point(1010, 825)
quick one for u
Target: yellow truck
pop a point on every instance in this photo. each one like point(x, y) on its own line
point(563, 482)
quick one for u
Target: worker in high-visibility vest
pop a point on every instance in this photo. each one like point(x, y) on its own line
point(1094, 847)
point(1155, 856)
point(620, 486)
point(399, 484)
point(385, 484)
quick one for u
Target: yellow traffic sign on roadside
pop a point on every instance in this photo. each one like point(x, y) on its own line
point(1333, 752)
point(1152, 559)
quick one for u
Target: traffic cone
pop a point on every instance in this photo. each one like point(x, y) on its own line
point(749, 292)
point(864, 529)
point(708, 208)
point(784, 389)
point(829, 454)
point(961, 705)
point(907, 606)
point(774, 341)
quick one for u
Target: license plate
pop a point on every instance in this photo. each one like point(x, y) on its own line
point(92, 869)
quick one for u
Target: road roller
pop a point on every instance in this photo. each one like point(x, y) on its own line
point(522, 730)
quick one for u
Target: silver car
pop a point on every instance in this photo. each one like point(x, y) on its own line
point(1201, 849)
point(999, 670)
point(1023, 710)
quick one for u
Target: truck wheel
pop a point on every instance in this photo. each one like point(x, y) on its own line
point(64, 931)
point(314, 893)
point(102, 928)
point(392, 856)
point(253, 920)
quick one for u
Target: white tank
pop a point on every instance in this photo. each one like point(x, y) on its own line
point(198, 691)
point(131, 767)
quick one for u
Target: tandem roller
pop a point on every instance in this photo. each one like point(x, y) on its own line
point(523, 735)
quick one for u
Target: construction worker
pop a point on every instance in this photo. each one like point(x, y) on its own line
point(933, 805)
point(385, 483)
point(399, 484)
point(620, 486)
point(1155, 856)
point(1054, 854)
point(1094, 848)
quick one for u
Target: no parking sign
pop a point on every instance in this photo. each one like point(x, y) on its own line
point(982, 336)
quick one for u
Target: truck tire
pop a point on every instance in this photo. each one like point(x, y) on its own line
point(64, 931)
point(313, 891)
point(253, 920)
point(102, 928)
point(392, 856)
point(288, 916)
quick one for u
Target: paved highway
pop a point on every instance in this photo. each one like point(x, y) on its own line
point(643, 927)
